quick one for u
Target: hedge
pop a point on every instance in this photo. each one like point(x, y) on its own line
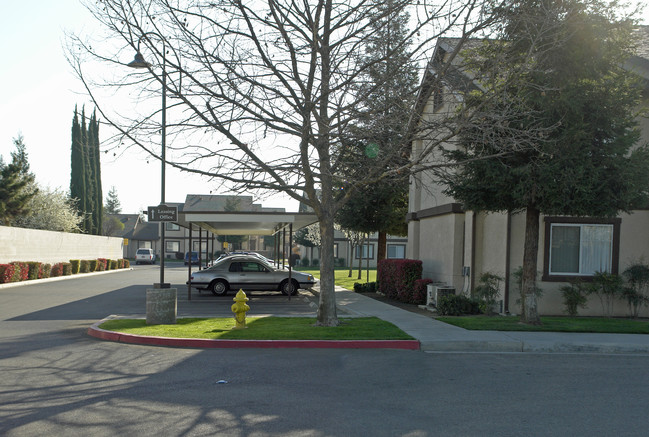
point(22, 271)
point(396, 278)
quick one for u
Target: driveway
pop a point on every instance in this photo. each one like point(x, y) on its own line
point(57, 381)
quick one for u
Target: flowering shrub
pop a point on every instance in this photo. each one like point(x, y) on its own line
point(396, 278)
point(22, 270)
point(57, 270)
point(102, 264)
point(46, 269)
point(6, 273)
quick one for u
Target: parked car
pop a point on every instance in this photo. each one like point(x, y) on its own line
point(195, 259)
point(248, 272)
point(144, 256)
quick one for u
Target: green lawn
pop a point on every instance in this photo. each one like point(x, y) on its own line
point(554, 324)
point(263, 328)
point(342, 278)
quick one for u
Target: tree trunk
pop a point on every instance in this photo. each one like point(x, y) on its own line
point(327, 305)
point(351, 257)
point(360, 259)
point(382, 246)
point(530, 312)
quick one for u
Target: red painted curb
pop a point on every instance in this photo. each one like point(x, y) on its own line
point(102, 334)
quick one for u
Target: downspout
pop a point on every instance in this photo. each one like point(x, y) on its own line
point(508, 251)
point(473, 239)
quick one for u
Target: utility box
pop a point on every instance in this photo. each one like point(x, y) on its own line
point(437, 291)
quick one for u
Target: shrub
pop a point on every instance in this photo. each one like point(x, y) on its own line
point(487, 290)
point(457, 305)
point(92, 265)
point(305, 262)
point(34, 270)
point(57, 270)
point(339, 262)
point(420, 291)
point(637, 276)
point(22, 271)
point(368, 287)
point(113, 264)
point(127, 264)
point(76, 266)
point(102, 263)
point(396, 277)
point(46, 270)
point(180, 255)
point(607, 287)
point(7, 273)
point(315, 262)
point(84, 266)
point(67, 269)
point(574, 297)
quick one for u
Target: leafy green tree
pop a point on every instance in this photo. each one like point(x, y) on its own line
point(582, 157)
point(17, 184)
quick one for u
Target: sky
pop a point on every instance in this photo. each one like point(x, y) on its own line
point(40, 91)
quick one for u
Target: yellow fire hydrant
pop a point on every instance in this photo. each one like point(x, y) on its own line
point(240, 308)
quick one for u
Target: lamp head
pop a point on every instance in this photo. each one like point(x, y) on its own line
point(139, 62)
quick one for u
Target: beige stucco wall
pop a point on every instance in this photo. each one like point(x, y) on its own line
point(441, 248)
point(634, 246)
point(19, 244)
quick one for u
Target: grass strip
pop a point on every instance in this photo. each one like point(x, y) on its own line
point(263, 328)
point(342, 278)
point(554, 324)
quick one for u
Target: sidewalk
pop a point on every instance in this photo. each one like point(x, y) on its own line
point(437, 336)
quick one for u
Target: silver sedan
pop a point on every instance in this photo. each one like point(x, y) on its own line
point(248, 273)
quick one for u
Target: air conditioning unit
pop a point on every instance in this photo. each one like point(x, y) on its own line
point(435, 292)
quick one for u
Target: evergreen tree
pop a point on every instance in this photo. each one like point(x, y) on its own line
point(112, 202)
point(17, 184)
point(95, 161)
point(85, 175)
point(388, 90)
point(572, 91)
point(77, 172)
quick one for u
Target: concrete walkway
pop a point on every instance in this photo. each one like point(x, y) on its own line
point(438, 336)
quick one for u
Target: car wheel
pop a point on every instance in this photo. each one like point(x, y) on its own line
point(219, 288)
point(289, 287)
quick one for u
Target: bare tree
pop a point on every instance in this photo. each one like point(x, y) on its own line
point(261, 93)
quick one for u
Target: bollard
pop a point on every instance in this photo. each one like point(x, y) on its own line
point(240, 308)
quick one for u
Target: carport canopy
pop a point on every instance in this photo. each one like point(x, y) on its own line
point(245, 222)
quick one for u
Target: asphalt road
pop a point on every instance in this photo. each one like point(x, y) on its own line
point(57, 381)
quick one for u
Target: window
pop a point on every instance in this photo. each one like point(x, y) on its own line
point(368, 251)
point(579, 248)
point(172, 226)
point(396, 251)
point(172, 246)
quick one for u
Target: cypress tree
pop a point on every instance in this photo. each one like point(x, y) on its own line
point(88, 201)
point(77, 173)
point(95, 165)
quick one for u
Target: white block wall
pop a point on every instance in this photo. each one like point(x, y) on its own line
point(19, 244)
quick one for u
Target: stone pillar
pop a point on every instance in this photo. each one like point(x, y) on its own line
point(161, 306)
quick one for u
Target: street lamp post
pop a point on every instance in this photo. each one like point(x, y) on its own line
point(139, 62)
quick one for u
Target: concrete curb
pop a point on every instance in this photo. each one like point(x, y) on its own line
point(95, 331)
